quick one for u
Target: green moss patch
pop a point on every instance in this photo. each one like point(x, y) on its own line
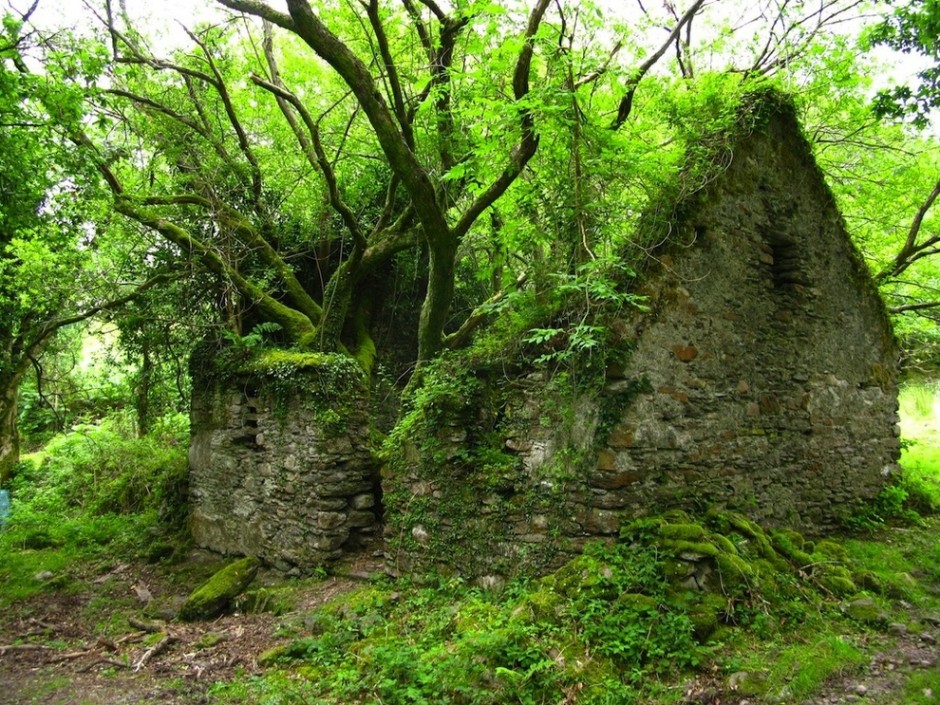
point(214, 596)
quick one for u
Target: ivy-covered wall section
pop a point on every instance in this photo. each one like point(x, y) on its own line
point(281, 467)
point(760, 377)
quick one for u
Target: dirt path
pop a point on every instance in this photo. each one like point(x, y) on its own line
point(65, 649)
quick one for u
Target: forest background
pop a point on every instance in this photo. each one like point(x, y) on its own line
point(381, 179)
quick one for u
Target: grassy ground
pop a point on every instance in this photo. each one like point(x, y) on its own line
point(920, 433)
point(90, 576)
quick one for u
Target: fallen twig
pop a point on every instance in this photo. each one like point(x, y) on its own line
point(133, 636)
point(150, 627)
point(24, 647)
point(74, 655)
point(106, 644)
point(154, 650)
point(102, 661)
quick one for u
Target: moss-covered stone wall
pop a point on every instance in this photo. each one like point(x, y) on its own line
point(280, 462)
point(761, 378)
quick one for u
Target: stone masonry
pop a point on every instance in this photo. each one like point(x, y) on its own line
point(276, 480)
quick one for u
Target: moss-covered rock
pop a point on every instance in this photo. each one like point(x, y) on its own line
point(677, 516)
point(214, 596)
point(728, 522)
point(543, 604)
point(735, 573)
point(583, 575)
point(638, 602)
point(750, 683)
point(691, 550)
point(790, 544)
point(869, 580)
point(642, 528)
point(723, 543)
point(832, 550)
point(683, 532)
point(896, 586)
point(866, 611)
point(704, 609)
point(838, 585)
point(676, 570)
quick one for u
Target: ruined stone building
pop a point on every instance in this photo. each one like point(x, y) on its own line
point(762, 378)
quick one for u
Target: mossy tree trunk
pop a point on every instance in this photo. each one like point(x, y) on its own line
point(9, 433)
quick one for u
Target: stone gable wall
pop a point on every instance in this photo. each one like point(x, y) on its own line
point(767, 356)
point(277, 480)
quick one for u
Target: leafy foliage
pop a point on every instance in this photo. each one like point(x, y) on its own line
point(96, 494)
point(912, 28)
point(100, 471)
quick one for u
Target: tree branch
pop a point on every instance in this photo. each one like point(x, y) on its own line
point(243, 143)
point(914, 307)
point(528, 141)
point(317, 157)
point(47, 329)
point(479, 315)
point(297, 325)
point(259, 9)
point(626, 103)
point(905, 257)
point(398, 99)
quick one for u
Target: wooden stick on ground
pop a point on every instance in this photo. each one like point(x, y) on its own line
point(73, 655)
point(102, 661)
point(154, 650)
point(24, 647)
point(151, 627)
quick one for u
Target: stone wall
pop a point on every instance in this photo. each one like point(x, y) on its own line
point(280, 466)
point(767, 357)
point(762, 379)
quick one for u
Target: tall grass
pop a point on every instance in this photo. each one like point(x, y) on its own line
point(919, 407)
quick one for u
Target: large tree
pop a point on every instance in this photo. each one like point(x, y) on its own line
point(294, 155)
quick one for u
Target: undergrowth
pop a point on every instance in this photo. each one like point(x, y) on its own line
point(622, 623)
point(97, 492)
point(915, 490)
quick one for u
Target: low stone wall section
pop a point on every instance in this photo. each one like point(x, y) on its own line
point(285, 480)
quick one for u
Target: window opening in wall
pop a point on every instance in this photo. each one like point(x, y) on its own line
point(786, 267)
point(249, 425)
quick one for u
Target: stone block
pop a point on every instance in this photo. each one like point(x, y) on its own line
point(363, 501)
point(615, 479)
point(685, 353)
point(602, 522)
point(360, 518)
point(606, 460)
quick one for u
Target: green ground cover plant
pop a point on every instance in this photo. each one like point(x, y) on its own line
point(95, 493)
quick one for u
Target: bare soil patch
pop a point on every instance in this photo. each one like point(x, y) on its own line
point(106, 643)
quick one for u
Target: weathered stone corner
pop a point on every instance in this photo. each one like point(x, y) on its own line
point(284, 475)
